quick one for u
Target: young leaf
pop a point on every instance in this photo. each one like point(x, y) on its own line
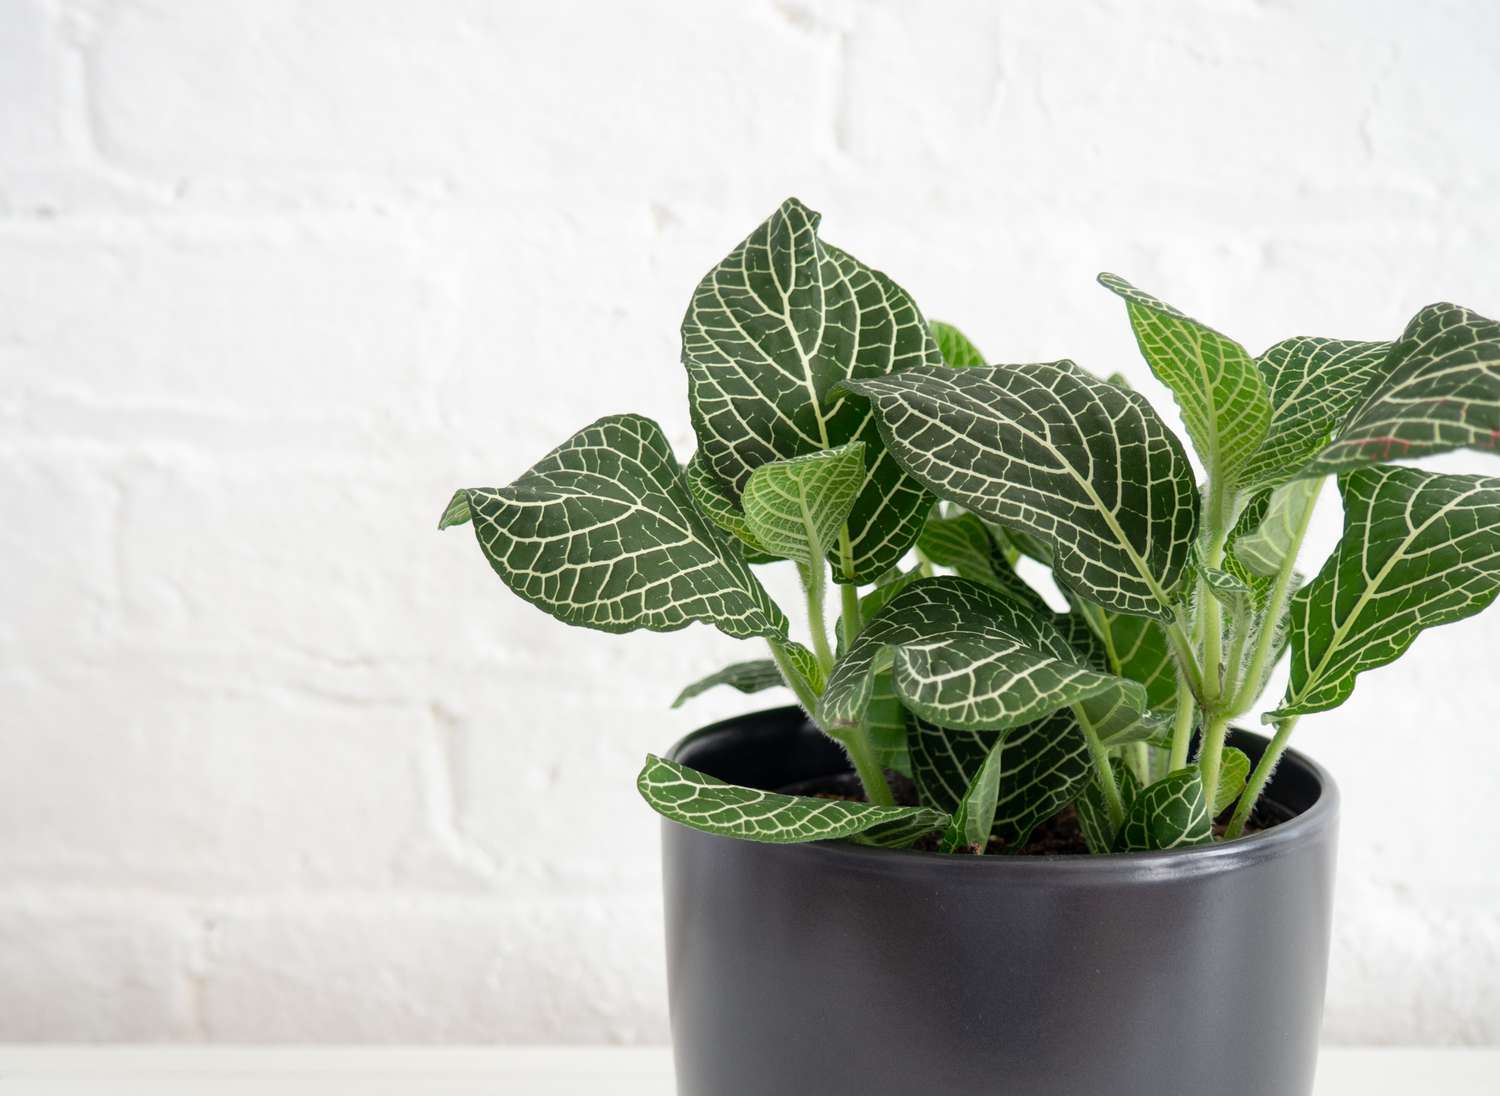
point(1042, 767)
point(705, 803)
point(1418, 550)
point(1263, 549)
point(964, 657)
point(795, 507)
point(1313, 384)
point(1168, 814)
point(1086, 466)
point(957, 350)
point(603, 533)
point(1234, 770)
point(758, 675)
point(722, 510)
point(1093, 812)
point(969, 828)
point(1225, 405)
point(1439, 389)
point(768, 334)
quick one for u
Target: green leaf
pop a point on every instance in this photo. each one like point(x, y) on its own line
point(1084, 465)
point(1234, 770)
point(969, 829)
point(1418, 550)
point(457, 510)
point(769, 333)
point(957, 350)
point(885, 722)
point(714, 501)
point(602, 532)
point(1093, 812)
point(1313, 385)
point(1137, 648)
point(1043, 765)
point(705, 803)
point(1439, 389)
point(759, 674)
point(1263, 549)
point(1224, 399)
point(795, 507)
point(964, 656)
point(1168, 814)
point(965, 544)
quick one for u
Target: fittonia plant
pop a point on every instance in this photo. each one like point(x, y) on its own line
point(840, 431)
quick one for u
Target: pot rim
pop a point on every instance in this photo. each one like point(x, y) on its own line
point(1318, 820)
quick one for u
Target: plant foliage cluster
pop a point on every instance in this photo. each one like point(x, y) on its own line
point(884, 458)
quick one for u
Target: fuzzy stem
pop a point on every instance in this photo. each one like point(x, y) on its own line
point(1260, 777)
point(1182, 727)
point(1104, 773)
point(815, 577)
point(856, 741)
point(1211, 753)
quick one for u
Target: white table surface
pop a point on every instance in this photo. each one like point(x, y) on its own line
point(557, 1071)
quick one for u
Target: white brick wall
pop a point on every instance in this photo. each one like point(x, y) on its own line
point(281, 762)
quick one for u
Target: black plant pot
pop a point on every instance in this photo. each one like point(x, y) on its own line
point(837, 969)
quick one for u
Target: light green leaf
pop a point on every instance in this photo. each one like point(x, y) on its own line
point(714, 501)
point(1093, 812)
point(1117, 720)
point(1224, 399)
point(759, 674)
point(1234, 770)
point(1439, 389)
point(1168, 814)
point(457, 510)
point(768, 334)
point(969, 829)
point(1418, 550)
point(1042, 767)
point(1264, 549)
point(795, 507)
point(705, 803)
point(964, 656)
point(1084, 465)
point(1313, 385)
point(957, 350)
point(602, 532)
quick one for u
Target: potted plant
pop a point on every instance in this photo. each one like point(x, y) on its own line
point(850, 905)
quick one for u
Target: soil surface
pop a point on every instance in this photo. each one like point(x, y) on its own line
point(1060, 835)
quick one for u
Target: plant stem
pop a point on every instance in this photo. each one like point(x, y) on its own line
point(1182, 726)
point(1260, 777)
point(861, 751)
point(1138, 757)
point(1255, 672)
point(1187, 663)
point(1211, 753)
point(815, 576)
point(1103, 771)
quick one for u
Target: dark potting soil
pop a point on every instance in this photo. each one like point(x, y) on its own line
point(1060, 835)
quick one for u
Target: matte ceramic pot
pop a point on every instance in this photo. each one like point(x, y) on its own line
point(836, 969)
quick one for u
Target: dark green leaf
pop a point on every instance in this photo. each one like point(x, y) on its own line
point(969, 828)
point(1168, 814)
point(1093, 812)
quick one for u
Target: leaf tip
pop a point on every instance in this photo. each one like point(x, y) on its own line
point(457, 511)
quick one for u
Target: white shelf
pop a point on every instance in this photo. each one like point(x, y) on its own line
point(555, 1071)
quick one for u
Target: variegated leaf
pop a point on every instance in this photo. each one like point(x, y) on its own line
point(1439, 389)
point(966, 545)
point(1234, 770)
point(969, 828)
point(714, 501)
point(1171, 813)
point(956, 349)
point(1051, 451)
point(602, 532)
point(768, 334)
point(705, 803)
point(1099, 833)
point(1313, 385)
point(885, 723)
point(1263, 549)
point(1043, 765)
point(1133, 647)
point(759, 674)
point(1418, 550)
point(1224, 399)
point(795, 507)
point(964, 656)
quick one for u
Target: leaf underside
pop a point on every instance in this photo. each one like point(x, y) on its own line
point(1083, 465)
point(794, 508)
point(769, 333)
point(705, 803)
point(603, 533)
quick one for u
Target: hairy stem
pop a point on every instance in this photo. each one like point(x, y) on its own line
point(853, 622)
point(1182, 726)
point(1212, 753)
point(1255, 671)
point(815, 578)
point(856, 741)
point(1103, 772)
point(1260, 777)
